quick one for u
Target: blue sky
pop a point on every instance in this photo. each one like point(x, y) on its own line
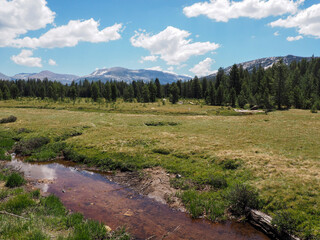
point(192, 37)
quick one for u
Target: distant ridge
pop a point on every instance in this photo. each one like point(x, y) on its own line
point(264, 62)
point(63, 78)
point(129, 75)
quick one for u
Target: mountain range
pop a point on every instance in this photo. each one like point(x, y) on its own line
point(129, 75)
point(264, 62)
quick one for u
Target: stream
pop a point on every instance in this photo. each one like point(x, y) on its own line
point(93, 195)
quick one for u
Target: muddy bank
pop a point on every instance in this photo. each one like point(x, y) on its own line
point(151, 182)
point(101, 199)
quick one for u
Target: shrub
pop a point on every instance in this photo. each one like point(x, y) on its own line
point(286, 221)
point(230, 164)
point(161, 123)
point(217, 181)
point(25, 147)
point(161, 151)
point(8, 119)
point(314, 108)
point(53, 206)
point(19, 203)
point(241, 197)
point(15, 180)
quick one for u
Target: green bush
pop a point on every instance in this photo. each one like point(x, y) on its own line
point(217, 181)
point(241, 197)
point(19, 203)
point(26, 147)
point(8, 119)
point(15, 180)
point(161, 123)
point(53, 206)
point(286, 221)
point(230, 164)
point(161, 151)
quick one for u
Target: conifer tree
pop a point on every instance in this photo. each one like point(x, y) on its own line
point(158, 90)
point(174, 93)
point(145, 94)
point(114, 92)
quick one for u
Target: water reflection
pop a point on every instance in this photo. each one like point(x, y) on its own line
point(97, 198)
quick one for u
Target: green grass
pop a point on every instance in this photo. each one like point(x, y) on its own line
point(211, 146)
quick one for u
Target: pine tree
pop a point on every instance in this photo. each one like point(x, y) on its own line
point(158, 86)
point(114, 92)
point(196, 88)
point(145, 94)
point(6, 92)
point(14, 91)
point(280, 84)
point(174, 93)
point(152, 91)
point(235, 79)
point(95, 91)
point(107, 91)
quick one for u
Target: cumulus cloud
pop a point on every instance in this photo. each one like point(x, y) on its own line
point(172, 45)
point(203, 68)
point(307, 21)
point(52, 62)
point(155, 68)
point(291, 39)
point(223, 10)
point(151, 58)
point(71, 34)
point(20, 16)
point(25, 59)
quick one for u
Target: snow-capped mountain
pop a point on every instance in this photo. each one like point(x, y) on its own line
point(63, 78)
point(128, 75)
point(4, 77)
point(265, 63)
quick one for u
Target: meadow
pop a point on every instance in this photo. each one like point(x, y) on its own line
point(212, 148)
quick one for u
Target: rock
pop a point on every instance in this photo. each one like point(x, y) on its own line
point(63, 190)
point(128, 213)
point(108, 228)
point(178, 176)
point(255, 107)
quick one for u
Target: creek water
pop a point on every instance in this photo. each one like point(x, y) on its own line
point(93, 195)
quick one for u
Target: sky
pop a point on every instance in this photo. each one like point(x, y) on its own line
point(190, 37)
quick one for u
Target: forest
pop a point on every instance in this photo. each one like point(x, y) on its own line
point(279, 87)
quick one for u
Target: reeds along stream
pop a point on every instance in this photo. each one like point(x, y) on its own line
point(100, 199)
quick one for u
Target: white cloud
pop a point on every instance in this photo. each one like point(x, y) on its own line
point(25, 58)
point(172, 45)
point(276, 33)
point(155, 68)
point(203, 68)
point(290, 39)
point(52, 62)
point(171, 68)
point(223, 10)
point(71, 34)
point(307, 21)
point(20, 16)
point(151, 58)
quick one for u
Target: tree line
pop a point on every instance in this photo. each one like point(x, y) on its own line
point(280, 86)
